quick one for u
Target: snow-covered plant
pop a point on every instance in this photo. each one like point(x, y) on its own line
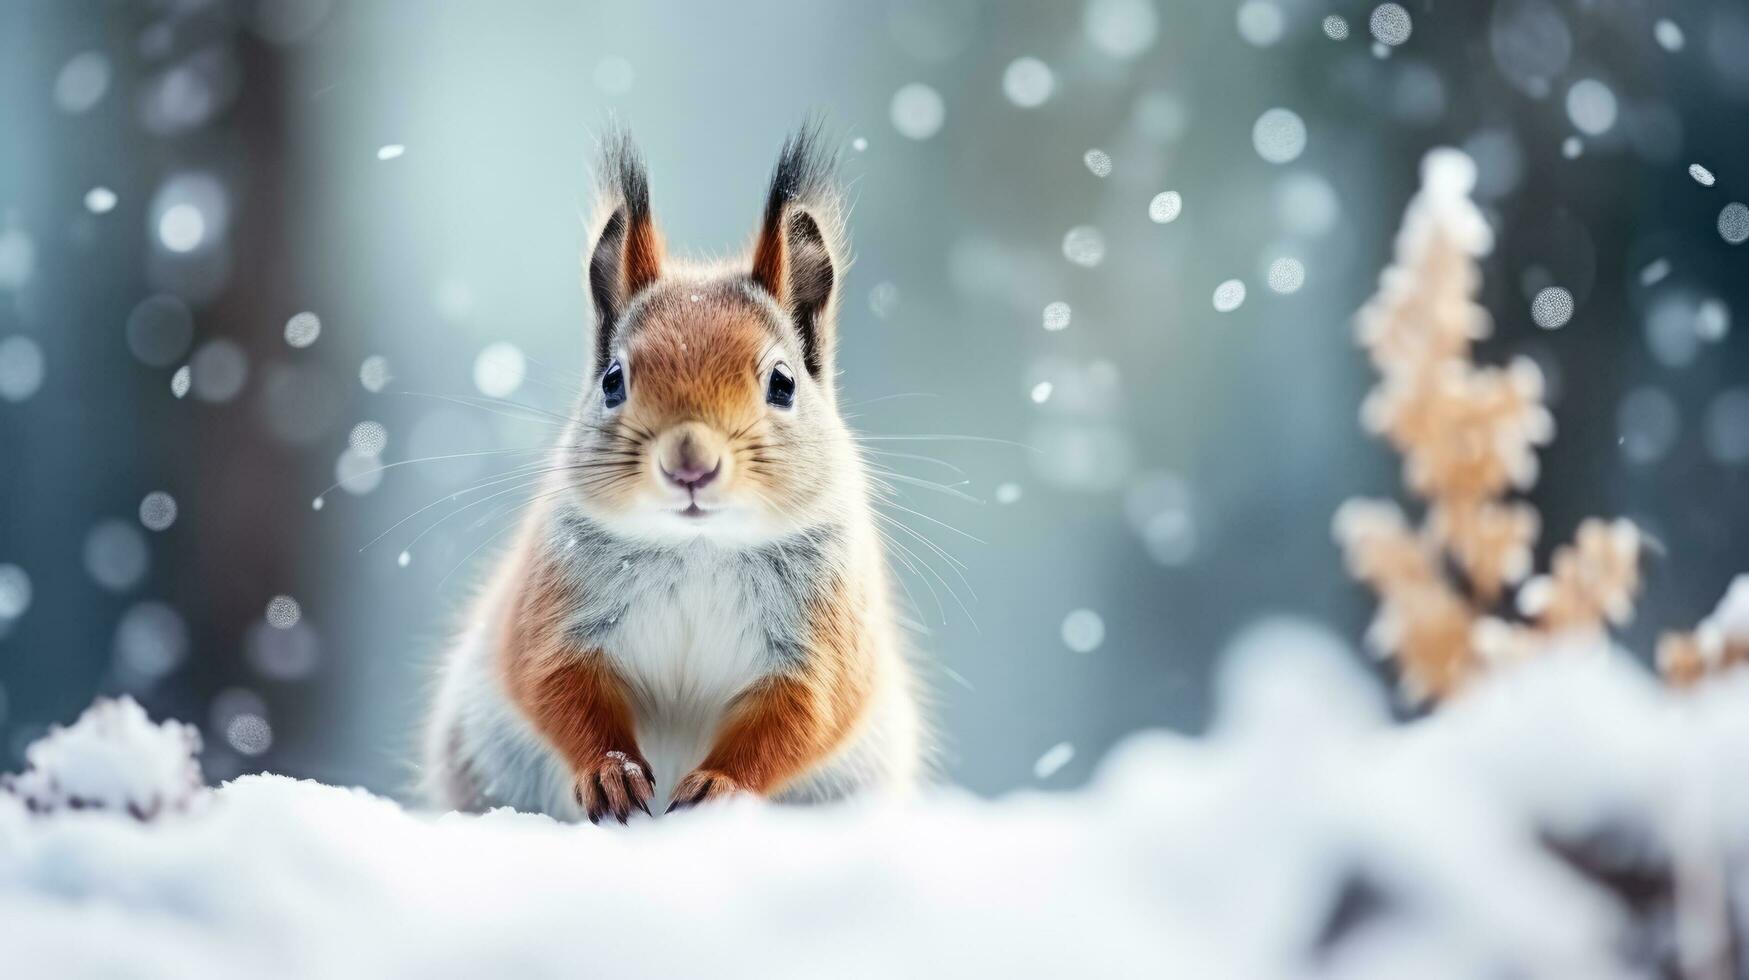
point(1719, 643)
point(1468, 435)
point(113, 758)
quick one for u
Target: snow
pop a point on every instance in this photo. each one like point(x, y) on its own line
point(1731, 618)
point(113, 758)
point(1305, 835)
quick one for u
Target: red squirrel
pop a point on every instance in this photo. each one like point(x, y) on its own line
point(697, 605)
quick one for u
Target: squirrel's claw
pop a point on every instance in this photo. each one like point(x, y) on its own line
point(700, 786)
point(616, 785)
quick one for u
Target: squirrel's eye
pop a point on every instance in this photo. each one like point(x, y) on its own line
point(781, 389)
point(613, 385)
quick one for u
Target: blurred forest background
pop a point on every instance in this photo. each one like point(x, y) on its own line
point(251, 250)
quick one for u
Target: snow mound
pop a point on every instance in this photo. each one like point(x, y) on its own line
point(112, 758)
point(1568, 818)
point(1730, 621)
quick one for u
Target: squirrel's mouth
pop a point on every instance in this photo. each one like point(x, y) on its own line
point(693, 510)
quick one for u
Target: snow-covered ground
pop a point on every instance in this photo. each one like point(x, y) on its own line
point(1569, 818)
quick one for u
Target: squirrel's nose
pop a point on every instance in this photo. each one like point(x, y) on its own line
point(690, 457)
point(692, 475)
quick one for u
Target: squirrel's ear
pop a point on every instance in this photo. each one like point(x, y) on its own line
point(799, 255)
point(627, 255)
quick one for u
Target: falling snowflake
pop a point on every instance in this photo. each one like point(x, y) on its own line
point(303, 329)
point(1712, 320)
point(181, 381)
point(1335, 28)
point(100, 200)
point(357, 473)
point(917, 111)
point(158, 511)
point(499, 369)
point(17, 258)
point(1121, 28)
point(1165, 207)
point(116, 555)
point(82, 82)
point(1084, 246)
point(1668, 35)
point(249, 734)
point(1591, 106)
point(1083, 630)
point(368, 438)
point(1552, 308)
point(283, 612)
point(182, 228)
point(21, 368)
point(1672, 330)
point(1701, 175)
point(404, 559)
point(1390, 23)
point(1229, 296)
point(1286, 275)
point(373, 373)
point(1734, 223)
point(151, 639)
point(1041, 392)
point(1098, 162)
point(1028, 82)
point(1261, 22)
point(1007, 493)
point(1279, 135)
point(390, 151)
point(15, 592)
point(1053, 760)
point(1056, 316)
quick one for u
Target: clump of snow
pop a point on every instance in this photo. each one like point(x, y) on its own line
point(1731, 618)
point(1727, 628)
point(1447, 178)
point(1565, 818)
point(113, 758)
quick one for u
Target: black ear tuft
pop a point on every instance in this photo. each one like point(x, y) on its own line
point(627, 254)
point(799, 256)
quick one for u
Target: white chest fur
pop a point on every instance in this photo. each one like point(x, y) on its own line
point(692, 645)
point(690, 627)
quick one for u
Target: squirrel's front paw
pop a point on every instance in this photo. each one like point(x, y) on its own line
point(618, 782)
point(701, 785)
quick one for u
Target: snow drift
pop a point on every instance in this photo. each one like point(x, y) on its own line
point(1568, 818)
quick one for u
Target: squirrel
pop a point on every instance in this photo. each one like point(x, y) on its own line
point(697, 603)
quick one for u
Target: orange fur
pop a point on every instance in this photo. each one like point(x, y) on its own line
point(768, 264)
point(642, 264)
point(787, 723)
point(696, 361)
point(573, 698)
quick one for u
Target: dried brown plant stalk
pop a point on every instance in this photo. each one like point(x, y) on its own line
point(1718, 644)
point(1468, 435)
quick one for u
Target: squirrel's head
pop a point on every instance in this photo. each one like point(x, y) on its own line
point(711, 408)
